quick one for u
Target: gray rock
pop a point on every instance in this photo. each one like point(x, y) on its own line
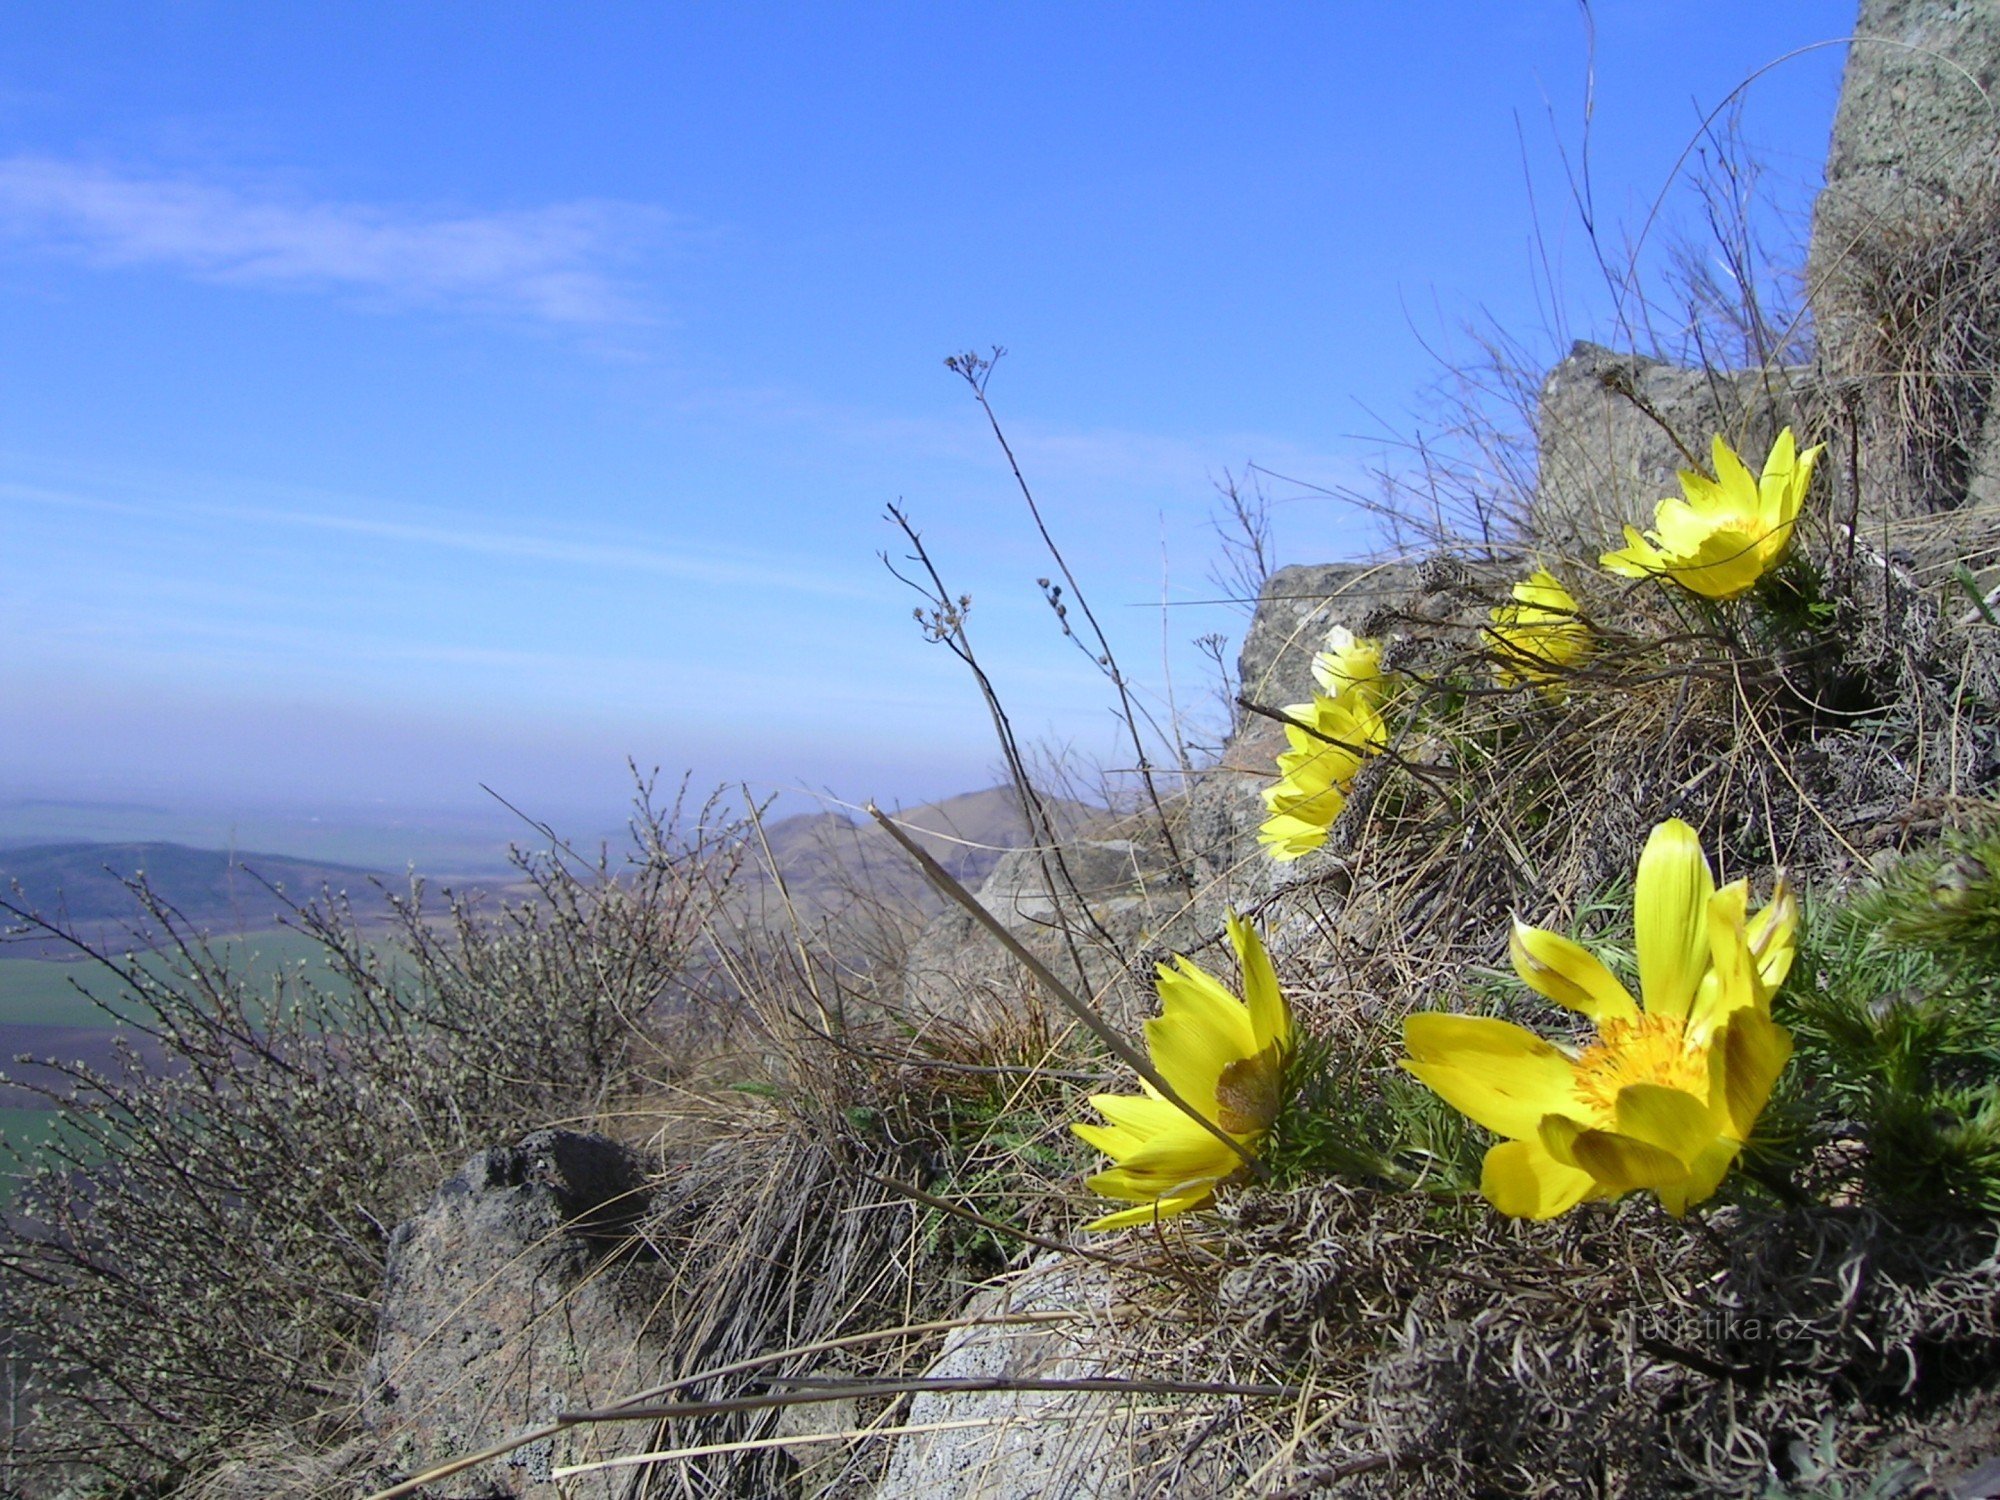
point(1904, 266)
point(957, 970)
point(1027, 1444)
point(504, 1303)
point(1916, 128)
point(1296, 608)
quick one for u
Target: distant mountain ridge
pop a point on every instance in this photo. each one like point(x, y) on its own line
point(83, 884)
point(830, 859)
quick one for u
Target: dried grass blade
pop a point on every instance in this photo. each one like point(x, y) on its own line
point(1085, 1013)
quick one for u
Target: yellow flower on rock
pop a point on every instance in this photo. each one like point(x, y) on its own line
point(1224, 1056)
point(1539, 635)
point(1316, 773)
point(1666, 1095)
point(1729, 531)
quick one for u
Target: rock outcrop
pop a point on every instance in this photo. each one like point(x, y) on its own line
point(1019, 1443)
point(1905, 261)
point(507, 1301)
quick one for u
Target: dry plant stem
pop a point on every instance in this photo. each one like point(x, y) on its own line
point(947, 625)
point(849, 1390)
point(1083, 1011)
point(802, 1439)
point(976, 372)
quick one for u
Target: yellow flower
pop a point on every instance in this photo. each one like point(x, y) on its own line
point(1539, 635)
point(1225, 1057)
point(1730, 530)
point(1349, 664)
point(1315, 774)
point(1666, 1095)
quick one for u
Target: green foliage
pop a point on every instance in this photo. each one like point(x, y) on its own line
point(1896, 1010)
point(1818, 1474)
point(1352, 1114)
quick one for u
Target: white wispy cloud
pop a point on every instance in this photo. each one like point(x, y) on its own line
point(556, 264)
point(690, 563)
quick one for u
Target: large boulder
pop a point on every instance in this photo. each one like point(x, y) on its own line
point(1916, 128)
point(1905, 259)
point(506, 1301)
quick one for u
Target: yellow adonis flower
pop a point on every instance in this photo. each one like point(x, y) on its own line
point(1539, 635)
point(1666, 1095)
point(1315, 774)
point(1730, 530)
point(1224, 1056)
point(1349, 664)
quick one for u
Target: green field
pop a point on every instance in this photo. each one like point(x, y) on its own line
point(23, 1129)
point(49, 992)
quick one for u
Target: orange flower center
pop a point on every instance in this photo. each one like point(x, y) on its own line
point(1651, 1049)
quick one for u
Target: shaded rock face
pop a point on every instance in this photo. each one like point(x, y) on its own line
point(506, 1301)
point(1606, 431)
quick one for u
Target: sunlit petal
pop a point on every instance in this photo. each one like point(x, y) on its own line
point(1153, 1210)
point(1568, 973)
point(1498, 1074)
point(1521, 1179)
point(1270, 1017)
point(1773, 938)
point(1675, 1122)
point(1670, 918)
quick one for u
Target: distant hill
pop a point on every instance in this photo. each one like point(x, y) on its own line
point(224, 891)
point(831, 860)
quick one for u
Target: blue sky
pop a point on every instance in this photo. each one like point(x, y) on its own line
point(399, 398)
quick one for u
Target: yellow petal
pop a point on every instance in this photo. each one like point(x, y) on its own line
point(1523, 1181)
point(1168, 1164)
point(1288, 837)
point(1135, 1120)
point(1670, 918)
point(1568, 973)
point(1152, 1210)
point(1704, 1176)
point(1775, 482)
point(1732, 475)
point(1270, 1017)
point(1495, 1073)
point(1728, 561)
point(1637, 559)
point(1793, 495)
point(1201, 1029)
point(1754, 1052)
point(1730, 984)
point(1773, 938)
point(1617, 1163)
point(1676, 1122)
